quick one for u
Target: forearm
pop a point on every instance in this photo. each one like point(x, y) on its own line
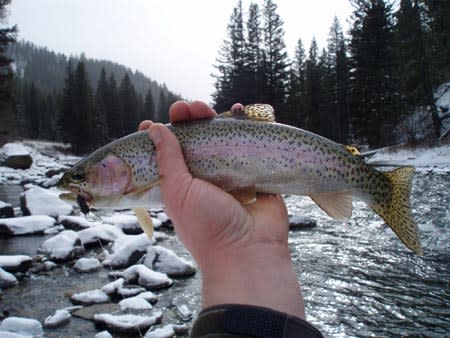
point(261, 275)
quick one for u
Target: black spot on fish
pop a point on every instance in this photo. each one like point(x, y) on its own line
point(83, 205)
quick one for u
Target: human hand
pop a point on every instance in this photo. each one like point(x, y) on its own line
point(233, 244)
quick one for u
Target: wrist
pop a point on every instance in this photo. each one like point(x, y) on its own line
point(260, 274)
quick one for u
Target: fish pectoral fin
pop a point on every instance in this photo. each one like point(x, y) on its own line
point(143, 189)
point(245, 196)
point(145, 221)
point(336, 204)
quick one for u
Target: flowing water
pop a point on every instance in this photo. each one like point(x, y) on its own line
point(357, 278)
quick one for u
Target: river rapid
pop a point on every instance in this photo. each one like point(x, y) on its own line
point(357, 278)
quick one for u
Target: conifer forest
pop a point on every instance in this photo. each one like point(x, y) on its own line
point(355, 90)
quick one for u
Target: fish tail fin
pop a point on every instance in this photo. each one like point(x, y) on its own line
point(397, 213)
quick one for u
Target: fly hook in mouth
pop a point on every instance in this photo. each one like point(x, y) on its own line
point(84, 207)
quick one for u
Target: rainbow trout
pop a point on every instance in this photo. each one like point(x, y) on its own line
point(246, 150)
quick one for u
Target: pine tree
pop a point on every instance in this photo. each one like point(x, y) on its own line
point(230, 83)
point(296, 98)
point(149, 107)
point(101, 110)
point(275, 62)
point(312, 89)
point(113, 112)
point(374, 89)
point(129, 109)
point(67, 116)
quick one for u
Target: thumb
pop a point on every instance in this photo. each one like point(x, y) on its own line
point(174, 174)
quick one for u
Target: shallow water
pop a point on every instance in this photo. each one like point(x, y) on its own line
point(357, 278)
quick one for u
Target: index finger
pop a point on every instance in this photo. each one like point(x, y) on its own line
point(183, 111)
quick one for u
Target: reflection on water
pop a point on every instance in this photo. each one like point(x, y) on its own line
point(357, 277)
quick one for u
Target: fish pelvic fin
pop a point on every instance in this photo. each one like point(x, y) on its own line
point(397, 213)
point(145, 221)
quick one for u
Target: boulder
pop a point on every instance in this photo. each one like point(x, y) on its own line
point(7, 279)
point(26, 225)
point(127, 323)
point(6, 210)
point(15, 263)
point(301, 222)
point(164, 260)
point(15, 156)
point(20, 325)
point(64, 246)
point(40, 201)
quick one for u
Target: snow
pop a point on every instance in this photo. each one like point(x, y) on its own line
point(148, 296)
point(13, 149)
point(13, 263)
point(7, 334)
point(145, 277)
point(128, 223)
point(87, 264)
point(39, 201)
point(167, 331)
point(63, 246)
point(76, 222)
point(25, 225)
point(422, 158)
point(95, 296)
point(21, 325)
point(135, 303)
point(57, 319)
point(127, 323)
point(113, 287)
point(103, 334)
point(7, 279)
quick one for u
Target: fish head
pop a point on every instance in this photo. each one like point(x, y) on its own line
point(97, 180)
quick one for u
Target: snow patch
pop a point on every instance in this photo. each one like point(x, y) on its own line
point(26, 225)
point(145, 277)
point(59, 318)
point(63, 246)
point(87, 264)
point(21, 325)
point(127, 323)
point(39, 201)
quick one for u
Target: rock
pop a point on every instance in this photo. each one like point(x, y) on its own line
point(64, 246)
point(167, 331)
point(27, 225)
point(128, 223)
point(39, 201)
point(104, 232)
point(15, 156)
point(127, 250)
point(7, 334)
point(7, 279)
point(90, 297)
point(6, 210)
point(135, 303)
point(112, 288)
point(76, 223)
point(148, 296)
point(24, 326)
point(15, 263)
point(127, 323)
point(183, 312)
point(145, 277)
point(130, 291)
point(301, 222)
point(88, 312)
point(59, 318)
point(164, 260)
point(87, 265)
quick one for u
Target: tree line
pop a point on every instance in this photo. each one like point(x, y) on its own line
point(357, 88)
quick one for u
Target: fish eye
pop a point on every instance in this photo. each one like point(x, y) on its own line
point(77, 177)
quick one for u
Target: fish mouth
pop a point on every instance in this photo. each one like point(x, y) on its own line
point(72, 193)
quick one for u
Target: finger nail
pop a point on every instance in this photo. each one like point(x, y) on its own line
point(155, 134)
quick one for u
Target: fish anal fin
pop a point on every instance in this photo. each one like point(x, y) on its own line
point(145, 221)
point(245, 196)
point(337, 205)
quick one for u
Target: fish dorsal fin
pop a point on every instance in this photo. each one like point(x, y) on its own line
point(336, 204)
point(256, 112)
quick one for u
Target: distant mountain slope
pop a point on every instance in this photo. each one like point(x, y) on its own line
point(47, 69)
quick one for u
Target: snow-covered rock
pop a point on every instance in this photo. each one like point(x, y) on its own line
point(148, 296)
point(164, 260)
point(26, 225)
point(127, 250)
point(104, 232)
point(7, 279)
point(135, 303)
point(25, 326)
point(301, 222)
point(64, 246)
point(39, 201)
point(144, 276)
point(90, 297)
point(76, 223)
point(16, 156)
point(127, 323)
point(87, 264)
point(183, 312)
point(167, 331)
point(8, 334)
point(103, 334)
point(128, 223)
point(15, 263)
point(59, 318)
point(6, 210)
point(130, 291)
point(112, 288)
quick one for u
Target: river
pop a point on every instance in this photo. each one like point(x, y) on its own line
point(357, 278)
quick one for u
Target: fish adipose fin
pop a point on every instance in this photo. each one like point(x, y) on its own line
point(256, 112)
point(398, 214)
point(145, 221)
point(336, 204)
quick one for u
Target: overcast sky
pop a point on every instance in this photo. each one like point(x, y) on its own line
point(172, 41)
